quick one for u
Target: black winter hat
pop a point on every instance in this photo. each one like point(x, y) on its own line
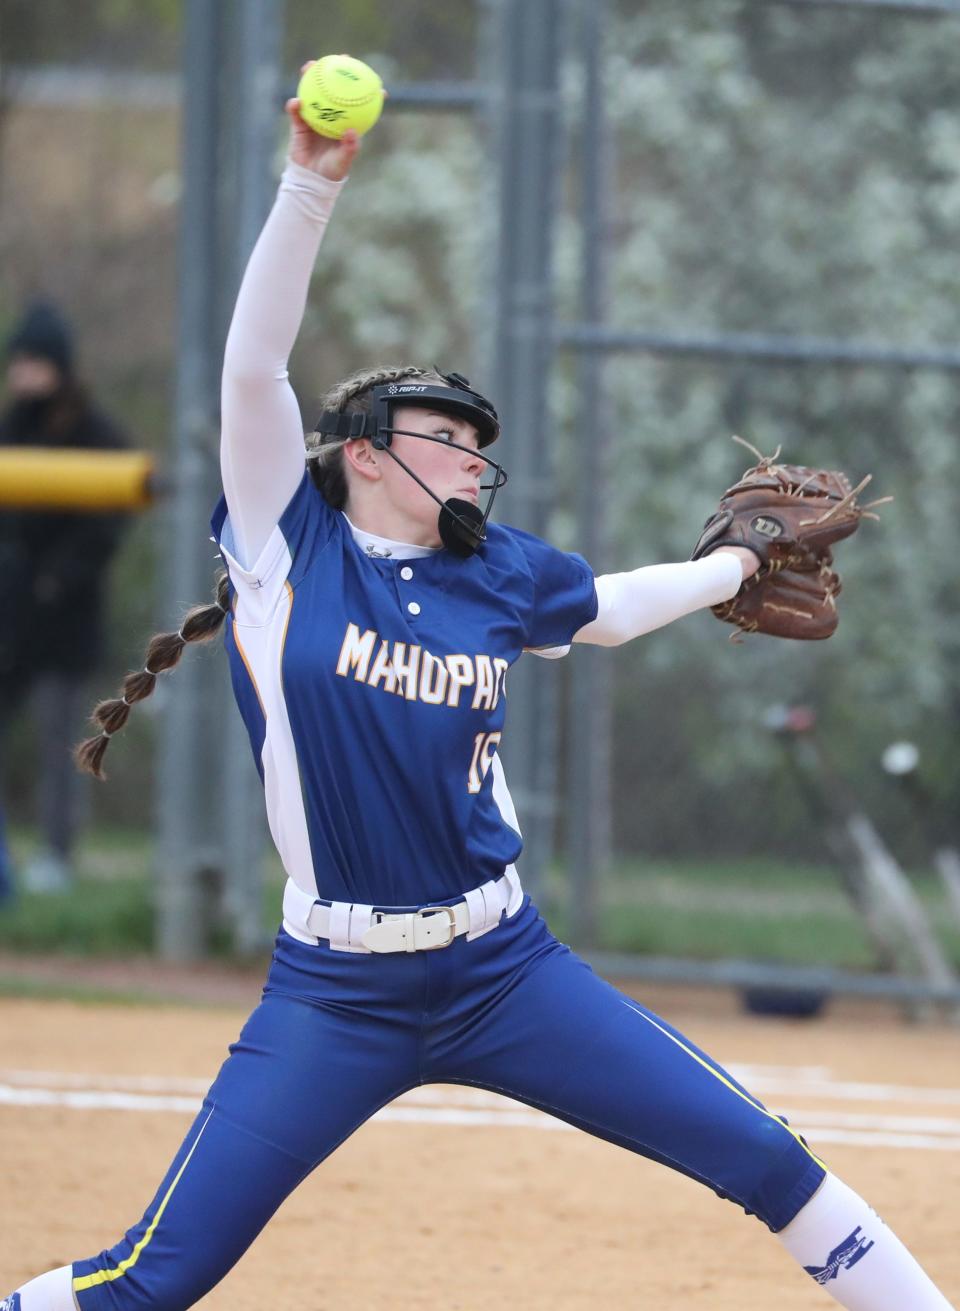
point(43, 332)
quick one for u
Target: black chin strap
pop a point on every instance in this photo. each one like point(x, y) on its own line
point(461, 524)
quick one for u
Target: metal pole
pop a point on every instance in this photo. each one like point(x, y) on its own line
point(186, 838)
point(433, 96)
point(588, 773)
point(487, 120)
point(787, 978)
point(765, 347)
point(255, 42)
point(905, 8)
point(529, 113)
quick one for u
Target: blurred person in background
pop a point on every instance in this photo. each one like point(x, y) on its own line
point(53, 576)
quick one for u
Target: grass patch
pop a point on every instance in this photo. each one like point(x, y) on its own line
point(94, 918)
point(81, 994)
point(754, 909)
point(103, 854)
point(109, 912)
point(758, 909)
point(707, 935)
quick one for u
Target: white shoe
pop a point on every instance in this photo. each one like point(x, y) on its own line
point(47, 873)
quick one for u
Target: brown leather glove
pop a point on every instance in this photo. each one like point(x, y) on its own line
point(789, 516)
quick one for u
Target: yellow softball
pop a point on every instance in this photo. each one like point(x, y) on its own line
point(337, 93)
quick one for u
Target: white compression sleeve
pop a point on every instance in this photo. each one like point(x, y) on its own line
point(261, 445)
point(845, 1246)
point(638, 602)
point(50, 1292)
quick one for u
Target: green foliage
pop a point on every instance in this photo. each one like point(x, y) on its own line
point(778, 169)
point(396, 303)
point(793, 172)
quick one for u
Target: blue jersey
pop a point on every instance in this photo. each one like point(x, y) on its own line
point(374, 693)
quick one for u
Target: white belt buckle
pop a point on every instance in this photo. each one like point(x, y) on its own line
point(433, 912)
point(411, 932)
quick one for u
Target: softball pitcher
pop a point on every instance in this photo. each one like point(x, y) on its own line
point(372, 613)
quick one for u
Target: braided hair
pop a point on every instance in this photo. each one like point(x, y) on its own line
point(200, 624)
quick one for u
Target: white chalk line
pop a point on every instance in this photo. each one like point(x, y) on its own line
point(452, 1105)
point(126, 1082)
point(814, 1081)
point(841, 1090)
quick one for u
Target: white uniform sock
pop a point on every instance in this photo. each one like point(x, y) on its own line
point(50, 1292)
point(850, 1252)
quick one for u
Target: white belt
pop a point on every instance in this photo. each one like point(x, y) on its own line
point(357, 928)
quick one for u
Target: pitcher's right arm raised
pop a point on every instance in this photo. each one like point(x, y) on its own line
point(261, 446)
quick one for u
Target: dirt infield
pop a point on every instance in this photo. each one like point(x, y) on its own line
point(458, 1200)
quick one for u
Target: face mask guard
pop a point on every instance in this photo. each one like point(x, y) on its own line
point(461, 524)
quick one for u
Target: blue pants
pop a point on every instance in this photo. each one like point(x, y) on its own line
point(337, 1036)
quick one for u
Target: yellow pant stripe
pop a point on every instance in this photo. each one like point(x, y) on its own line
point(726, 1082)
point(105, 1276)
